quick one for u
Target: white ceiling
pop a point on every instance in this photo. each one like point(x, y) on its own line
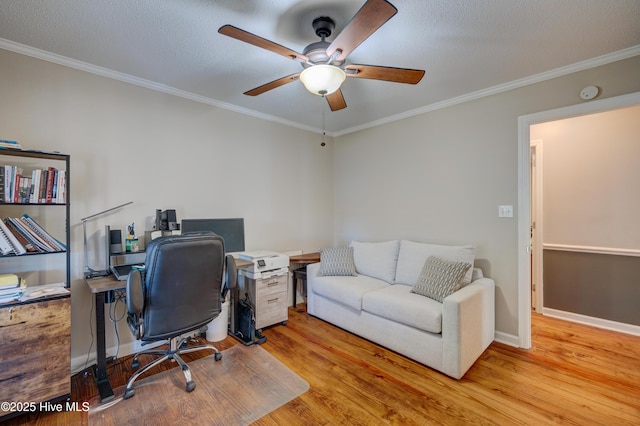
point(466, 47)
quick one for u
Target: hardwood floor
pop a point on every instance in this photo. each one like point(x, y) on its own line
point(574, 374)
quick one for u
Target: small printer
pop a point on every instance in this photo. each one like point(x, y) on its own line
point(264, 263)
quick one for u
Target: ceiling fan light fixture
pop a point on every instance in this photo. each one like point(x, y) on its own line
point(322, 79)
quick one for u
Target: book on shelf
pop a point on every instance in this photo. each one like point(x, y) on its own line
point(18, 288)
point(48, 196)
point(15, 173)
point(15, 185)
point(11, 297)
point(20, 235)
point(39, 186)
point(42, 195)
point(41, 232)
point(8, 172)
point(35, 185)
point(18, 227)
point(61, 193)
point(8, 298)
point(8, 242)
point(9, 294)
point(9, 280)
point(5, 143)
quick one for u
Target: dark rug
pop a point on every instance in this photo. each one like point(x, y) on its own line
point(246, 384)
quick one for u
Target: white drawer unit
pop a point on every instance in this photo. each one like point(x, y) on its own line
point(269, 298)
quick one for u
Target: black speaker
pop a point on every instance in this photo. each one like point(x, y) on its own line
point(115, 241)
point(169, 221)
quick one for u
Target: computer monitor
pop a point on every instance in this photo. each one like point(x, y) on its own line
point(230, 229)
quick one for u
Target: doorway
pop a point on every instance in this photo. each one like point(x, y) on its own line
point(537, 286)
point(525, 192)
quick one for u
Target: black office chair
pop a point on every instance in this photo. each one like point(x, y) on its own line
point(181, 292)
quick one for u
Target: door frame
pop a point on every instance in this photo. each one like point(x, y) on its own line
point(524, 193)
point(537, 241)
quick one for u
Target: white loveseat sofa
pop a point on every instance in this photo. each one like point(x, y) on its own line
point(378, 304)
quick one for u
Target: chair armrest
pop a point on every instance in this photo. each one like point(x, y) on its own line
point(232, 271)
point(231, 275)
point(468, 325)
point(135, 293)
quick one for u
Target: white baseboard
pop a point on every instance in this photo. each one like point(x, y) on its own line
point(507, 339)
point(592, 321)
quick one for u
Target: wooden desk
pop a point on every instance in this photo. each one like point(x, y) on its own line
point(301, 260)
point(100, 287)
point(304, 258)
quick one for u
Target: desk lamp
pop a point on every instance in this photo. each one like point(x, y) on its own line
point(88, 272)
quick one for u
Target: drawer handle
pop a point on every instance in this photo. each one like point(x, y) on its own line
point(273, 300)
point(271, 284)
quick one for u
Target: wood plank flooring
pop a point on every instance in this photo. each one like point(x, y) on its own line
point(574, 374)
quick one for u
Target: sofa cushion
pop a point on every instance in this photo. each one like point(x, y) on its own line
point(397, 303)
point(412, 255)
point(440, 278)
point(337, 261)
point(377, 260)
point(347, 290)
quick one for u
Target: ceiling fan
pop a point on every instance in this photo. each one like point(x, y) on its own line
point(324, 62)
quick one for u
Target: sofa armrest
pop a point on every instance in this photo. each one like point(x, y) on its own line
point(312, 274)
point(312, 270)
point(468, 325)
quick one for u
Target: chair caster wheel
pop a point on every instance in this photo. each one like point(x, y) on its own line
point(284, 323)
point(135, 364)
point(128, 393)
point(191, 386)
point(217, 356)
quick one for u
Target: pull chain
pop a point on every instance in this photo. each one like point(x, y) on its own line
point(324, 133)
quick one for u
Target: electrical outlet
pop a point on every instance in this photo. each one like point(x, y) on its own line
point(505, 211)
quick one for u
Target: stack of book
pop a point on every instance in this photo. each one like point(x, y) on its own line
point(20, 235)
point(4, 143)
point(40, 186)
point(11, 287)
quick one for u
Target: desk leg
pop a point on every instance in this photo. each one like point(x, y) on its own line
point(295, 289)
point(100, 373)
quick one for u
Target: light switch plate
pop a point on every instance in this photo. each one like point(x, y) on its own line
point(505, 211)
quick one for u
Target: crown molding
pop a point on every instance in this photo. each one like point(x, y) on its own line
point(537, 78)
point(108, 73)
point(127, 78)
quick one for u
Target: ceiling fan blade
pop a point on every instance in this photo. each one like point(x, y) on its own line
point(247, 37)
point(374, 72)
point(365, 22)
point(336, 100)
point(272, 85)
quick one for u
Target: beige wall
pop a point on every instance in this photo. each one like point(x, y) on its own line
point(160, 151)
point(439, 177)
point(591, 178)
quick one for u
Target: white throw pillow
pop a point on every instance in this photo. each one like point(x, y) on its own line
point(377, 260)
point(412, 255)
